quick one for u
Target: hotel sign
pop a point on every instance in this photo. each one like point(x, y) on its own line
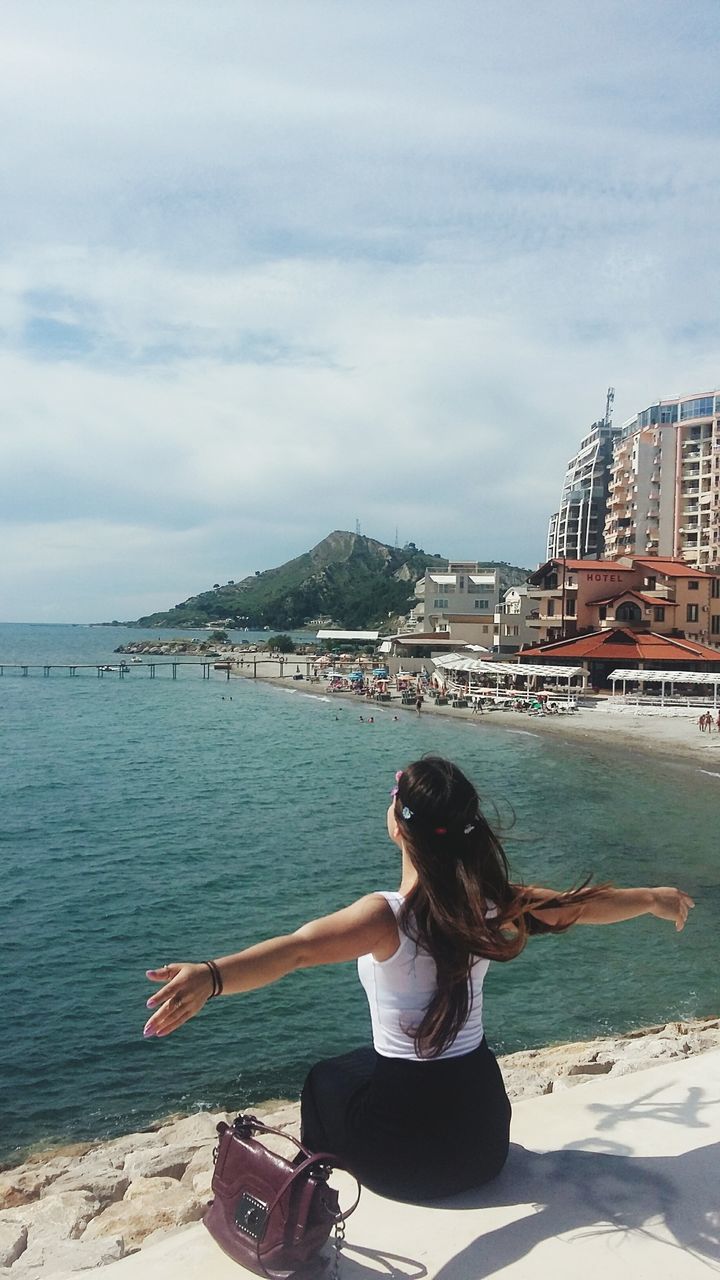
point(605, 577)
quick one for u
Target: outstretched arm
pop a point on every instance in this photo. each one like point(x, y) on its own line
point(366, 926)
point(612, 905)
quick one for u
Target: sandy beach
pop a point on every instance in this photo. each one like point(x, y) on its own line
point(673, 735)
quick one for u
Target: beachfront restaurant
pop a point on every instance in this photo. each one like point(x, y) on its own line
point(409, 653)
point(473, 677)
point(621, 648)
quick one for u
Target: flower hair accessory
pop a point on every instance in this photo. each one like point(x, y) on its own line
point(405, 812)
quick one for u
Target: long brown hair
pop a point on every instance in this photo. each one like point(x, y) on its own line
point(462, 873)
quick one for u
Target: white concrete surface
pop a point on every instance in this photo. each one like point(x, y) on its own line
point(615, 1180)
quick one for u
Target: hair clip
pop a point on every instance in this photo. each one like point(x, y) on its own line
point(398, 776)
point(470, 827)
point(406, 813)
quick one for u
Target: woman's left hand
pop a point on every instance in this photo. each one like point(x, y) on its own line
point(671, 904)
point(187, 988)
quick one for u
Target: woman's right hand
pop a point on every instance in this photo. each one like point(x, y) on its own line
point(187, 987)
point(671, 904)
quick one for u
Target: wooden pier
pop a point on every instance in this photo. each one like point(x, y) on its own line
point(121, 670)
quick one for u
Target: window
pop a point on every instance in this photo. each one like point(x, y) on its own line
point(440, 604)
point(715, 625)
point(716, 589)
point(551, 608)
point(482, 604)
point(485, 631)
point(570, 607)
point(602, 612)
point(693, 584)
point(659, 613)
point(700, 408)
point(650, 583)
point(628, 612)
point(692, 613)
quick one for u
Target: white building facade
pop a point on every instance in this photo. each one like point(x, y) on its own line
point(576, 529)
point(460, 601)
point(665, 485)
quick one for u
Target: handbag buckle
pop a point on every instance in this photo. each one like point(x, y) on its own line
point(250, 1215)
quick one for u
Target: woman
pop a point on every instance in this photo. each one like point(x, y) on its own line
point(423, 1113)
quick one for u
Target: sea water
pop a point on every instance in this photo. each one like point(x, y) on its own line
point(145, 820)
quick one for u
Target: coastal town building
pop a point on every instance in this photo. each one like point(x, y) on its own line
point(512, 630)
point(602, 652)
point(664, 497)
point(577, 527)
point(459, 601)
point(648, 593)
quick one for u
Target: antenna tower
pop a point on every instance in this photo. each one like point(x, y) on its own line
point(609, 401)
point(357, 527)
point(397, 538)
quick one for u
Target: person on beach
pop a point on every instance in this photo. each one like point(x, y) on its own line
point(422, 1113)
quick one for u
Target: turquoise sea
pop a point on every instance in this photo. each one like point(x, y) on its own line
point(146, 820)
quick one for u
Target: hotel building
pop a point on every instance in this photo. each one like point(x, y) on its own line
point(664, 497)
point(663, 595)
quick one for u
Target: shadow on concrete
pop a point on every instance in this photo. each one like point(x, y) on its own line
point(673, 1199)
point(393, 1266)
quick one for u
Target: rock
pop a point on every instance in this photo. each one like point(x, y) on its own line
point(61, 1217)
point(199, 1172)
point(106, 1183)
point(167, 1162)
point(563, 1083)
point(28, 1181)
point(526, 1084)
point(590, 1068)
point(149, 1186)
point(145, 1214)
point(60, 1258)
point(285, 1117)
point(196, 1130)
point(116, 1150)
point(13, 1241)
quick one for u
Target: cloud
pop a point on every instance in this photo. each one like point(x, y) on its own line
point(278, 268)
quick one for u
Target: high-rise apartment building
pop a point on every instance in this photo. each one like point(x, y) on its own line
point(576, 529)
point(665, 484)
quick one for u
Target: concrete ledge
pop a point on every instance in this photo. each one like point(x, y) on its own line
point(619, 1179)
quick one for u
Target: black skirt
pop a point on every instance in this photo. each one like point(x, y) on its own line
point(412, 1130)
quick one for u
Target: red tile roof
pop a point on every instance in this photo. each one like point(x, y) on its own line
point(635, 646)
point(638, 595)
point(671, 567)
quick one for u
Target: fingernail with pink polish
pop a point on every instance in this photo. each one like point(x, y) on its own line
point(148, 1032)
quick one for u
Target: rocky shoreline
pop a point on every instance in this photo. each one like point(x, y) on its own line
point(83, 1206)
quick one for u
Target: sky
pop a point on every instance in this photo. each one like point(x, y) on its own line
point(270, 268)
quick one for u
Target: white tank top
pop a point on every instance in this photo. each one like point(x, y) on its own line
point(399, 991)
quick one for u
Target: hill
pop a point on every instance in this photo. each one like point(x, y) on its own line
point(350, 578)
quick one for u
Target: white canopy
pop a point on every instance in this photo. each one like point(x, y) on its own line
point(461, 662)
point(668, 677)
point(326, 633)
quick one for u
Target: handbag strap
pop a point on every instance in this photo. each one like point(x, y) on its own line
point(298, 1171)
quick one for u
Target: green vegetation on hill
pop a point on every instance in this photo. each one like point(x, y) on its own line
point(349, 578)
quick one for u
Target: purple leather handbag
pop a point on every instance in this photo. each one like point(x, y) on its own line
point(270, 1214)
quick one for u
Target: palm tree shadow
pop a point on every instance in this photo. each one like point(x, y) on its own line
point(674, 1199)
